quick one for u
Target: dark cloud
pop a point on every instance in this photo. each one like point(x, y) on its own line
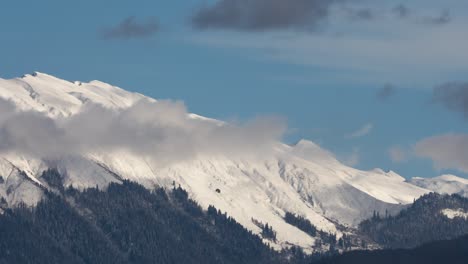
point(130, 28)
point(454, 96)
point(401, 11)
point(263, 15)
point(387, 91)
point(443, 18)
point(362, 14)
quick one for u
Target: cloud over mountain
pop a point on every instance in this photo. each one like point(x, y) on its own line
point(162, 130)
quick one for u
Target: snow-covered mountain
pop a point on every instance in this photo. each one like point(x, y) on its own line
point(303, 179)
point(55, 97)
point(448, 184)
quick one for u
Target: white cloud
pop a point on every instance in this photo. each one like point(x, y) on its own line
point(160, 130)
point(449, 151)
point(398, 154)
point(353, 158)
point(363, 131)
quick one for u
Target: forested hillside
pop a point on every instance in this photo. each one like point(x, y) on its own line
point(420, 223)
point(126, 223)
point(440, 252)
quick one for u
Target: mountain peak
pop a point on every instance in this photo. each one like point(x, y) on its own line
point(304, 143)
point(51, 78)
point(42, 75)
point(56, 97)
point(310, 150)
point(36, 73)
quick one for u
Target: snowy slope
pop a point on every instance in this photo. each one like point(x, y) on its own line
point(448, 184)
point(451, 214)
point(343, 193)
point(55, 97)
point(303, 179)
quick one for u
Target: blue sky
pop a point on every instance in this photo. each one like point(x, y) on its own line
point(324, 75)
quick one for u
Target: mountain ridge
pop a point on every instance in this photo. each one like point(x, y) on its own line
point(303, 179)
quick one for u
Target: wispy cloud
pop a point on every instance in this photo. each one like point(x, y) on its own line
point(363, 131)
point(386, 49)
point(353, 158)
point(398, 154)
point(130, 28)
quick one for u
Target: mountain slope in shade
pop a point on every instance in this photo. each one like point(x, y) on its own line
point(431, 217)
point(448, 184)
point(302, 179)
point(125, 224)
point(449, 251)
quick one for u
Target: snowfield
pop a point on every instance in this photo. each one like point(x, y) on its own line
point(303, 179)
point(451, 214)
point(447, 184)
